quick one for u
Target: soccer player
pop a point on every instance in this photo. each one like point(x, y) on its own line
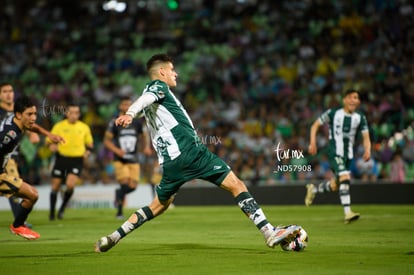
point(69, 156)
point(11, 132)
point(344, 124)
point(6, 110)
point(183, 157)
point(123, 142)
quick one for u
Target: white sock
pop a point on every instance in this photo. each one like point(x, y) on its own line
point(345, 197)
point(323, 187)
point(125, 228)
point(267, 230)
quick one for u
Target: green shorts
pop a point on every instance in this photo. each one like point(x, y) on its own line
point(196, 163)
point(340, 165)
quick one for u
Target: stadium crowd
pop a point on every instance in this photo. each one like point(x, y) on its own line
point(253, 74)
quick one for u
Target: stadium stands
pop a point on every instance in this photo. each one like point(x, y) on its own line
point(254, 74)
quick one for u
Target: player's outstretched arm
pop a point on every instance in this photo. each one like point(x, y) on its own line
point(52, 137)
point(136, 107)
point(124, 120)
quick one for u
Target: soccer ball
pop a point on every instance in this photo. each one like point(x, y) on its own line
point(299, 243)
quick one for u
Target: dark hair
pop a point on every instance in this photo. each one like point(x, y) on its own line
point(4, 84)
point(22, 103)
point(157, 59)
point(73, 104)
point(350, 91)
point(123, 98)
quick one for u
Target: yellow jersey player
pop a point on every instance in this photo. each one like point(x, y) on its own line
point(69, 156)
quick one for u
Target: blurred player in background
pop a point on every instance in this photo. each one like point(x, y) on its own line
point(69, 156)
point(11, 132)
point(344, 124)
point(6, 110)
point(124, 143)
point(183, 157)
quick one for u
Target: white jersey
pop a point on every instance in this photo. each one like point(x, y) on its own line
point(169, 125)
point(343, 128)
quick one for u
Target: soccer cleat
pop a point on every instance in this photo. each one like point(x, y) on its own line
point(350, 217)
point(104, 244)
point(24, 232)
point(310, 194)
point(279, 234)
point(120, 217)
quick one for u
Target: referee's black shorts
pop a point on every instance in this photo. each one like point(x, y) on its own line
point(67, 165)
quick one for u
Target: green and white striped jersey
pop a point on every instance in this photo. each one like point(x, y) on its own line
point(343, 128)
point(169, 125)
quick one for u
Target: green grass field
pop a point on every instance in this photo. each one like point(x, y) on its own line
point(215, 240)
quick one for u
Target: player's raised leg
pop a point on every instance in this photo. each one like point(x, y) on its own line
point(323, 187)
point(137, 219)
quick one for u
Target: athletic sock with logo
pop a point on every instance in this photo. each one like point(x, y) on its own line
point(345, 196)
point(252, 210)
point(324, 187)
point(144, 214)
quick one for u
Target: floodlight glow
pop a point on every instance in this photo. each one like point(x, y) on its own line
point(114, 5)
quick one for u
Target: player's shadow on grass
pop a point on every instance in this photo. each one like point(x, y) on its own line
point(167, 249)
point(48, 256)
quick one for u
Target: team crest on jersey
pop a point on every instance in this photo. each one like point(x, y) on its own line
point(156, 89)
point(12, 134)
